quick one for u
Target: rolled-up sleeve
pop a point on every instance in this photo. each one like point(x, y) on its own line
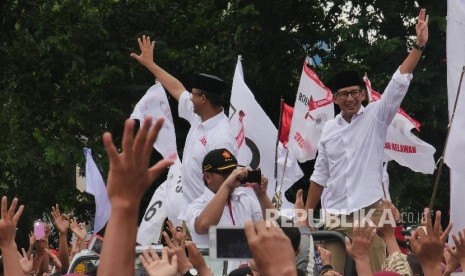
point(186, 107)
point(320, 173)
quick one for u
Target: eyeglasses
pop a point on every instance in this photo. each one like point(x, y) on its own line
point(345, 94)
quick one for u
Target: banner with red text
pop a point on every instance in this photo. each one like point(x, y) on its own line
point(313, 107)
point(402, 145)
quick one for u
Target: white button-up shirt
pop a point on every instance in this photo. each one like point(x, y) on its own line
point(349, 161)
point(203, 137)
point(243, 207)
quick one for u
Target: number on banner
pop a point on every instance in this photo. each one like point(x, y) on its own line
point(152, 210)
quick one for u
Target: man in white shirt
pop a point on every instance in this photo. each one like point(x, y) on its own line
point(202, 108)
point(222, 203)
point(351, 148)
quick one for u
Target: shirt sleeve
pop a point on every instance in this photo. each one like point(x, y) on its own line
point(392, 97)
point(256, 209)
point(194, 210)
point(320, 173)
point(186, 107)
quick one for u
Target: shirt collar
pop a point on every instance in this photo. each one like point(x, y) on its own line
point(213, 121)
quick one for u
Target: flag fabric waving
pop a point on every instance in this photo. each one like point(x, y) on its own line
point(455, 148)
point(96, 186)
point(402, 145)
point(155, 103)
point(167, 199)
point(256, 134)
point(286, 119)
point(165, 202)
point(313, 107)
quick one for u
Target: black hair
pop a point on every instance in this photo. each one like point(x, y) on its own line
point(215, 99)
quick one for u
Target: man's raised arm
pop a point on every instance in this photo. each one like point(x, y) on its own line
point(414, 56)
point(173, 85)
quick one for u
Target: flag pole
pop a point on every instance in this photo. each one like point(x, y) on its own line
point(277, 198)
point(441, 160)
point(277, 194)
point(281, 104)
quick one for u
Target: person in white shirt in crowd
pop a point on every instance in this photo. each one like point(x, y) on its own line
point(222, 203)
point(351, 148)
point(202, 108)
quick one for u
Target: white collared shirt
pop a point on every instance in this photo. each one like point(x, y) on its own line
point(243, 207)
point(203, 137)
point(349, 162)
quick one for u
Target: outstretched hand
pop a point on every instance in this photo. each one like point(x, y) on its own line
point(427, 245)
point(271, 249)
point(146, 47)
point(459, 250)
point(130, 176)
point(8, 221)
point(156, 266)
point(422, 28)
point(61, 220)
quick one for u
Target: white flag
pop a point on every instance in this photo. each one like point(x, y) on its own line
point(313, 107)
point(155, 103)
point(154, 216)
point(96, 186)
point(402, 145)
point(455, 149)
point(166, 202)
point(256, 134)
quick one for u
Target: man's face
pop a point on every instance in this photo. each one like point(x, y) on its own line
point(215, 179)
point(349, 99)
point(197, 98)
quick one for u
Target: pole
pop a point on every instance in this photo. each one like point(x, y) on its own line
point(441, 161)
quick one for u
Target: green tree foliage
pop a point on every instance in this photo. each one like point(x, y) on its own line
point(66, 75)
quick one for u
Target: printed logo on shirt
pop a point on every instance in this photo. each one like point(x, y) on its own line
point(203, 140)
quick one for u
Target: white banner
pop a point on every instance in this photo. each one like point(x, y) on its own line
point(96, 186)
point(167, 199)
point(313, 107)
point(401, 145)
point(165, 202)
point(155, 103)
point(455, 149)
point(256, 135)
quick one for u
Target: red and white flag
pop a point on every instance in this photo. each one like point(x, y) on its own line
point(286, 120)
point(313, 107)
point(455, 148)
point(402, 145)
point(255, 133)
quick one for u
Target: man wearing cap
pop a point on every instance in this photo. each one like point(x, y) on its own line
point(222, 203)
point(351, 148)
point(202, 108)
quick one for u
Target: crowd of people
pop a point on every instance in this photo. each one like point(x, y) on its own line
point(218, 192)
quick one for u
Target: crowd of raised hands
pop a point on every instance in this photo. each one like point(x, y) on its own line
point(130, 176)
point(39, 259)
